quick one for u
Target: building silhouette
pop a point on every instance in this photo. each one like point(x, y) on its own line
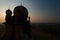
point(14, 24)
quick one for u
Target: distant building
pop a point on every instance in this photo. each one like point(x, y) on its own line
point(16, 22)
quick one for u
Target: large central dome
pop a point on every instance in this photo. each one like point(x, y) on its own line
point(20, 11)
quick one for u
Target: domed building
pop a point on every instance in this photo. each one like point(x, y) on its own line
point(20, 11)
point(20, 14)
point(18, 22)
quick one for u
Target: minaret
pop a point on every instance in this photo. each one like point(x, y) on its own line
point(8, 16)
point(8, 26)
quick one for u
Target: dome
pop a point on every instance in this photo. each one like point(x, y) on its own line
point(20, 11)
point(8, 12)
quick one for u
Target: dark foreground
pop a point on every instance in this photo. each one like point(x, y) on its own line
point(41, 31)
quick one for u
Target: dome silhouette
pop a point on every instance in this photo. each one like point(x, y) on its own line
point(16, 23)
point(8, 12)
point(20, 11)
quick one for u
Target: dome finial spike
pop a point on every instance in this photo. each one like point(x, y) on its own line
point(9, 8)
point(21, 2)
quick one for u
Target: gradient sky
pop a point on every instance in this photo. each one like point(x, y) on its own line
point(39, 10)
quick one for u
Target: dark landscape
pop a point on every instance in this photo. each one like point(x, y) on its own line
point(40, 31)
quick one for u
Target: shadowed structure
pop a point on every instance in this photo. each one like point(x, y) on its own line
point(17, 23)
point(20, 20)
point(20, 14)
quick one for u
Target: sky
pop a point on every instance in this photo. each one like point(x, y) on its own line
point(39, 10)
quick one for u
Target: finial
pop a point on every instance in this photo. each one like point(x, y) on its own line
point(21, 2)
point(9, 8)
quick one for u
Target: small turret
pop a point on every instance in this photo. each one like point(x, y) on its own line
point(8, 16)
point(8, 12)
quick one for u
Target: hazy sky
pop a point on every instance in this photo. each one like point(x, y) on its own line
point(39, 10)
